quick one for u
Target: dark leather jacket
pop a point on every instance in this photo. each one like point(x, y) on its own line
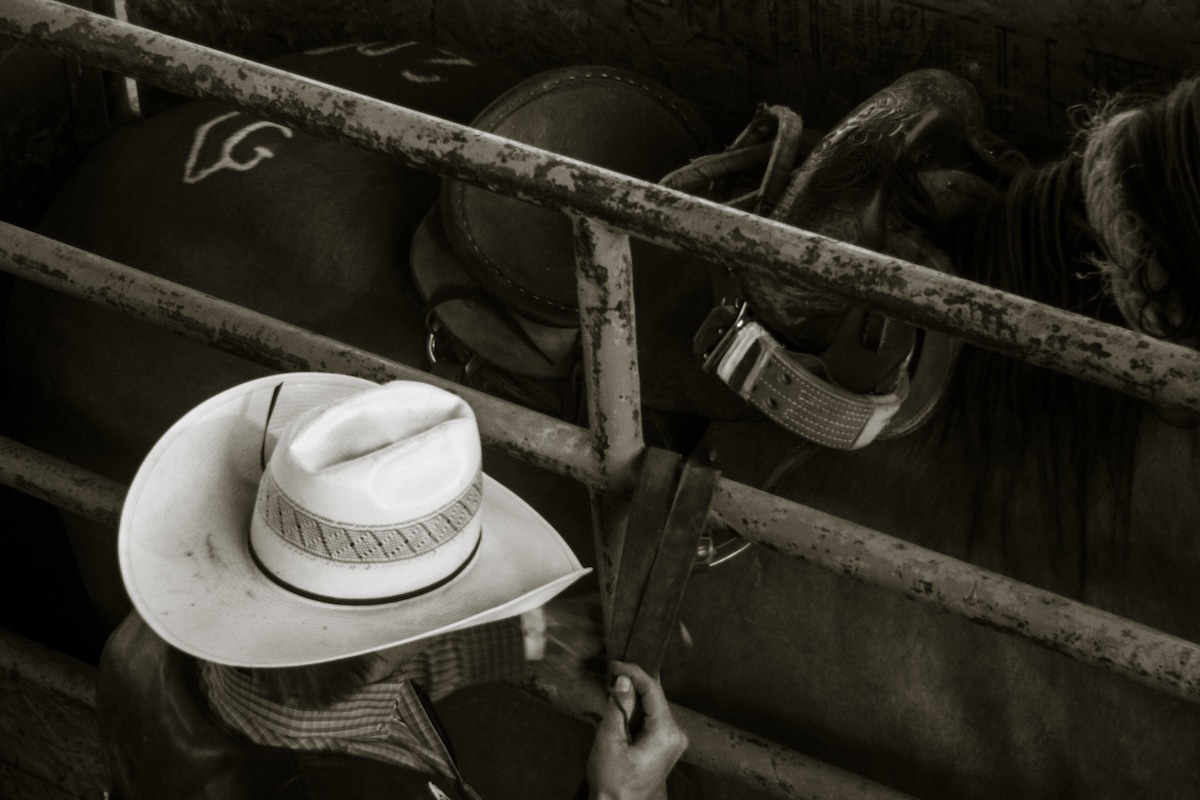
point(161, 740)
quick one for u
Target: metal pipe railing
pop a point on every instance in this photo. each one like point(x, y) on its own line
point(1143, 654)
point(720, 749)
point(1167, 374)
point(53, 481)
point(1072, 628)
point(604, 276)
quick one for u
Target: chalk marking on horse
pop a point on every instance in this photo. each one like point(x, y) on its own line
point(371, 50)
point(377, 49)
point(226, 161)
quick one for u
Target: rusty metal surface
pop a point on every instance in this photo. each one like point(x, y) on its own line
point(537, 438)
point(720, 748)
point(604, 287)
point(604, 277)
point(1164, 662)
point(64, 485)
point(761, 249)
point(1111, 356)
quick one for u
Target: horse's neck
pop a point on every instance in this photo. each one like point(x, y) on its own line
point(1158, 569)
point(935, 489)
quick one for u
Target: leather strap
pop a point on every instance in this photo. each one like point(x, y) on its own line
point(793, 389)
point(647, 517)
point(666, 521)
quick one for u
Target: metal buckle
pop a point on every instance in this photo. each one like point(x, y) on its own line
point(710, 554)
point(433, 325)
point(719, 330)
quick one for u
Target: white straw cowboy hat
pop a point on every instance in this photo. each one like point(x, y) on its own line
point(309, 517)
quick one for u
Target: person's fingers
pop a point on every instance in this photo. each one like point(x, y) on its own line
point(654, 701)
point(621, 701)
point(623, 694)
point(612, 725)
point(642, 681)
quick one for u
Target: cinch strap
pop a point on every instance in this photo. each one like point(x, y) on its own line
point(791, 389)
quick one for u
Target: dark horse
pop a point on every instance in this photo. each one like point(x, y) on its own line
point(1055, 482)
point(1050, 480)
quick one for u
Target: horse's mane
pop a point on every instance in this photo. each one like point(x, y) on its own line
point(1160, 150)
point(1064, 444)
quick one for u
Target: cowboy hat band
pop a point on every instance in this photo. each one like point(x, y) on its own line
point(185, 542)
point(372, 498)
point(291, 524)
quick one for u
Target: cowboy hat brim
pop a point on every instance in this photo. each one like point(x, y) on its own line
point(185, 557)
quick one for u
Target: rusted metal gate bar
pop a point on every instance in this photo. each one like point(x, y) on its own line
point(713, 745)
point(604, 275)
point(537, 438)
point(1143, 654)
point(54, 481)
point(1111, 356)
point(604, 286)
point(1148, 656)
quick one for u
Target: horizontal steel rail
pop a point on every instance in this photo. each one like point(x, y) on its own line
point(535, 437)
point(713, 745)
point(1151, 657)
point(47, 669)
point(1115, 357)
point(54, 481)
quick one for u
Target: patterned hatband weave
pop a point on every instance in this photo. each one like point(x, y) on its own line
point(332, 540)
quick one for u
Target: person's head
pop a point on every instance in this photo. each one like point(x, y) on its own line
point(314, 518)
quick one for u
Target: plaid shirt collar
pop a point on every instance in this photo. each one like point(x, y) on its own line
point(384, 720)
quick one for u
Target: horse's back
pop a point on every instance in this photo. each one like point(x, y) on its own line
point(309, 231)
point(291, 225)
point(922, 699)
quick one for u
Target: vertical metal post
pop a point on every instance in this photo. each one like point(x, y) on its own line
point(124, 92)
point(604, 280)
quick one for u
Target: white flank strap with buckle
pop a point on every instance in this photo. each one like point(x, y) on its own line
point(793, 389)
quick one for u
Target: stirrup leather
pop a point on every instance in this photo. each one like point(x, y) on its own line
point(796, 390)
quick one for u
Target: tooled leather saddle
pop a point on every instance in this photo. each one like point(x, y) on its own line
point(498, 273)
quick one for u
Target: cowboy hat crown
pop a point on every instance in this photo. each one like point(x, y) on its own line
point(371, 498)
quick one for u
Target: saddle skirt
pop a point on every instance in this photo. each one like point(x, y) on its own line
point(498, 274)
